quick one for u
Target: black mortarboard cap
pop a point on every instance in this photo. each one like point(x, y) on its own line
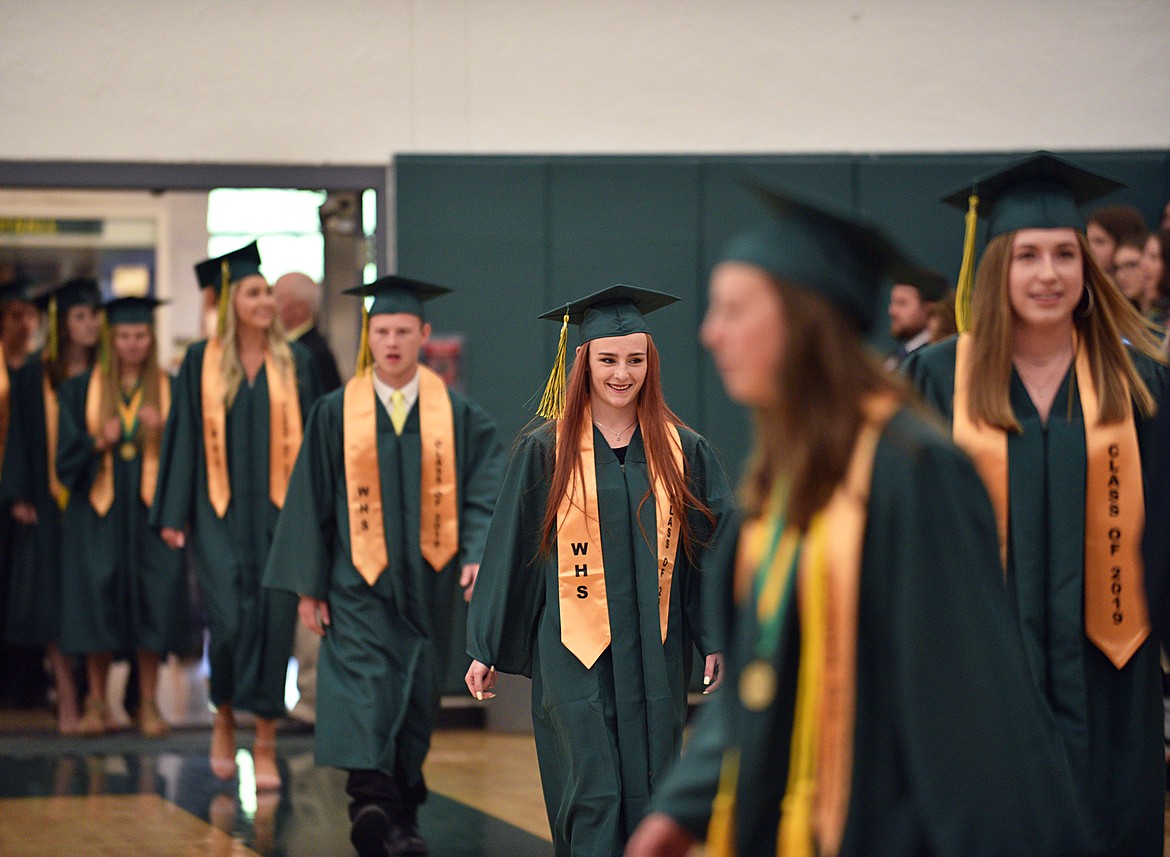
point(137, 310)
point(816, 247)
point(931, 285)
point(614, 311)
point(15, 290)
point(241, 263)
point(393, 294)
point(80, 291)
point(1041, 191)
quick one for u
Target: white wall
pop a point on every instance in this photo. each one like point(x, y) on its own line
point(354, 81)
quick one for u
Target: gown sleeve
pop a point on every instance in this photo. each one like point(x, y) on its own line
point(509, 591)
point(710, 484)
point(483, 467)
point(300, 557)
point(182, 444)
point(76, 463)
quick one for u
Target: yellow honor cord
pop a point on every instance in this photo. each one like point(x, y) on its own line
point(967, 270)
point(52, 343)
point(105, 346)
point(552, 403)
point(795, 837)
point(721, 827)
point(225, 282)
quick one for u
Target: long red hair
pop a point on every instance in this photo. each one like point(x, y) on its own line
point(653, 417)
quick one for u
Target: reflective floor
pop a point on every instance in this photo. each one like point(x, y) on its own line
point(126, 795)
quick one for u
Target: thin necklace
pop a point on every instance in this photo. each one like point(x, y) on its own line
point(618, 437)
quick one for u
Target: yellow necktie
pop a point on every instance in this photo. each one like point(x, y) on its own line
point(397, 410)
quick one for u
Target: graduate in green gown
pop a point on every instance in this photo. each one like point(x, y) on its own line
point(387, 511)
point(595, 574)
point(124, 589)
point(231, 438)
point(879, 701)
point(1055, 410)
point(34, 594)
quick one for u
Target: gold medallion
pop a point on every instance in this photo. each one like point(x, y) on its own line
point(757, 685)
point(128, 450)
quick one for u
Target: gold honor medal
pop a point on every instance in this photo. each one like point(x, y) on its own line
point(128, 450)
point(757, 685)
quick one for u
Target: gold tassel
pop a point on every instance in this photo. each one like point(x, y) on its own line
point(967, 269)
point(365, 358)
point(552, 403)
point(53, 344)
point(225, 282)
point(721, 827)
point(105, 346)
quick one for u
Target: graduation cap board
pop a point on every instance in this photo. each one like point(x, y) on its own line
point(80, 291)
point(391, 294)
point(230, 267)
point(1040, 191)
point(931, 285)
point(131, 310)
point(813, 246)
point(614, 311)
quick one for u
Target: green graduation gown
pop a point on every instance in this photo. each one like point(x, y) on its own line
point(34, 593)
point(250, 629)
point(953, 753)
point(383, 654)
point(606, 735)
point(1109, 720)
point(123, 589)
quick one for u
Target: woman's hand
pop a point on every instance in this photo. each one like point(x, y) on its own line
point(659, 835)
point(314, 614)
point(713, 672)
point(174, 538)
point(25, 513)
point(148, 416)
point(111, 433)
point(467, 579)
point(480, 680)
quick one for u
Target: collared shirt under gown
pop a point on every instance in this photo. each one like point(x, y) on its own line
point(250, 629)
point(387, 645)
point(606, 735)
point(1109, 720)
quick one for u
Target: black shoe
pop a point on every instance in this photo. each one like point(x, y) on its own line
point(371, 832)
point(406, 840)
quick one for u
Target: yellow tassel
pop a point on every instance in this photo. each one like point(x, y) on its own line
point(552, 403)
point(721, 827)
point(105, 347)
point(365, 358)
point(225, 282)
point(967, 269)
point(795, 837)
point(63, 498)
point(53, 344)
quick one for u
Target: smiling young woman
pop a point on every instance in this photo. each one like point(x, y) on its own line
point(1051, 391)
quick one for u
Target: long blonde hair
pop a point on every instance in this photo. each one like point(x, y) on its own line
point(231, 368)
point(1104, 331)
point(112, 387)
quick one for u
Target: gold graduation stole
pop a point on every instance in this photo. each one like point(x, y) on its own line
point(439, 516)
point(1116, 616)
point(815, 805)
point(5, 402)
point(581, 575)
point(284, 429)
point(101, 492)
point(57, 491)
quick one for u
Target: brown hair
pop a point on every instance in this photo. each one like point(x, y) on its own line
point(1104, 330)
point(57, 368)
point(112, 386)
point(653, 416)
point(1120, 221)
point(804, 441)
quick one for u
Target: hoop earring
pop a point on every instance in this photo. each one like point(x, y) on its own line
point(1088, 310)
